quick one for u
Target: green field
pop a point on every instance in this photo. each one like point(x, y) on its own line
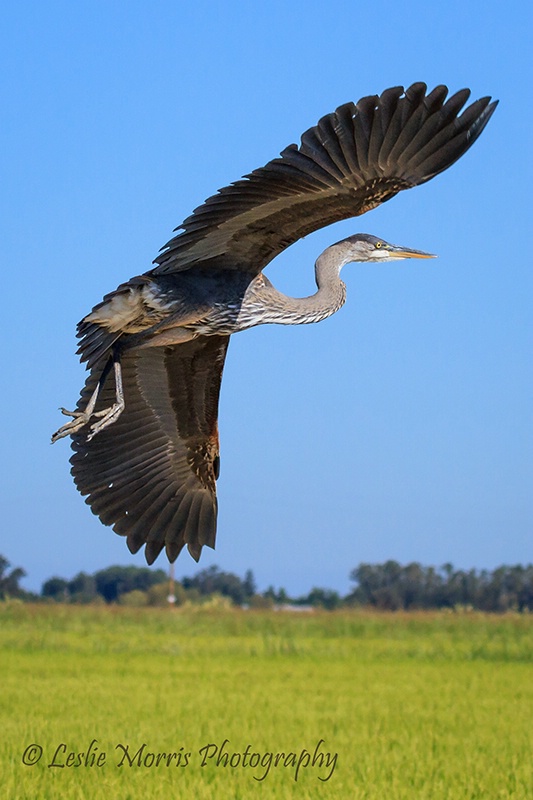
point(359, 705)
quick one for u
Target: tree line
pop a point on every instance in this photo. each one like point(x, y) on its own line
point(388, 586)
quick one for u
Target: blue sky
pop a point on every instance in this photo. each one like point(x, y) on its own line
point(400, 427)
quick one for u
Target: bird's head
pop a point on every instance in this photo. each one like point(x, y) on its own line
point(365, 247)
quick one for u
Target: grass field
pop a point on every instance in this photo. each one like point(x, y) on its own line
point(361, 705)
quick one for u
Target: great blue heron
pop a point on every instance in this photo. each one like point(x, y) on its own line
point(144, 433)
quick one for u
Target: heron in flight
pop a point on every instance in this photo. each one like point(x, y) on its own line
point(144, 432)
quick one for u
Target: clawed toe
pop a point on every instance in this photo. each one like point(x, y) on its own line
point(80, 419)
point(105, 416)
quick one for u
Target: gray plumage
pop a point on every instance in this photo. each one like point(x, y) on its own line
point(144, 433)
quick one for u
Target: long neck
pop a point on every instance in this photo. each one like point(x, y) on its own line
point(331, 295)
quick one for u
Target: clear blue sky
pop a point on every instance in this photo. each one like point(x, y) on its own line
point(399, 428)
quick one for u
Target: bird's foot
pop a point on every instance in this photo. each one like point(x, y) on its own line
point(108, 416)
point(81, 418)
point(105, 417)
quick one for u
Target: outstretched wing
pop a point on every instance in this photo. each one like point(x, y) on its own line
point(151, 474)
point(353, 160)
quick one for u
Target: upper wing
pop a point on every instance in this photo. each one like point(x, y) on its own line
point(353, 160)
point(152, 473)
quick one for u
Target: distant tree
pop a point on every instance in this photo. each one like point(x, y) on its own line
point(393, 586)
point(525, 592)
point(56, 588)
point(507, 588)
point(462, 588)
point(9, 581)
point(388, 586)
point(377, 585)
point(277, 596)
point(115, 581)
point(323, 598)
point(282, 596)
point(82, 588)
point(135, 599)
point(249, 584)
point(212, 580)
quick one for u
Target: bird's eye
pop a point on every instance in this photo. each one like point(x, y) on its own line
point(378, 245)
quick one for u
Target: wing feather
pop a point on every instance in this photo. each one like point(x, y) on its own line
point(352, 160)
point(152, 474)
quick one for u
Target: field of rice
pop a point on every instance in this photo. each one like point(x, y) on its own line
point(123, 703)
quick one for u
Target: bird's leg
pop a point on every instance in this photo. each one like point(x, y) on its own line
point(88, 408)
point(109, 415)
